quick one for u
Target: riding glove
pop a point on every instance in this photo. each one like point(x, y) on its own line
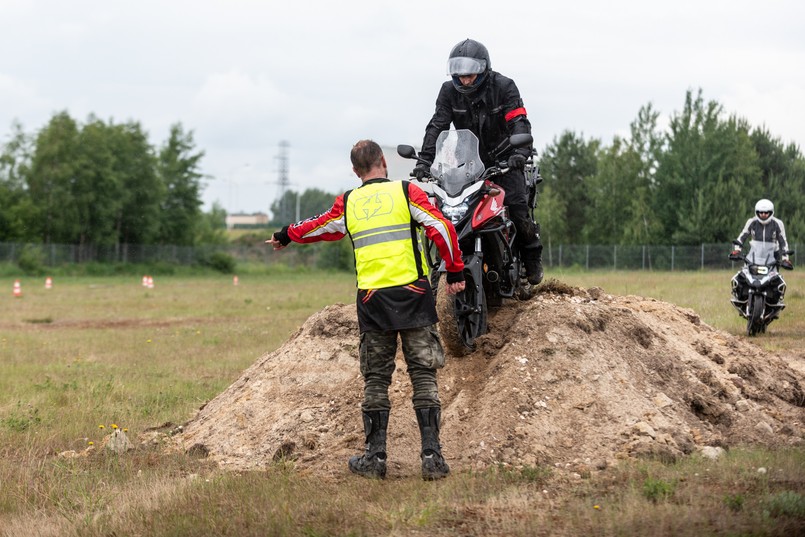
point(517, 161)
point(420, 172)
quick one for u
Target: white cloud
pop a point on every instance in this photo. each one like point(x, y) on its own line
point(781, 109)
point(21, 101)
point(245, 74)
point(236, 96)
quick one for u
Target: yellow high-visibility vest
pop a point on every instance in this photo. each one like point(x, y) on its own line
point(387, 250)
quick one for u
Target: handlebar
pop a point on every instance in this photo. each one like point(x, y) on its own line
point(501, 168)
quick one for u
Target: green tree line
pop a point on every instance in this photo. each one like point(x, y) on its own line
point(312, 201)
point(101, 183)
point(695, 182)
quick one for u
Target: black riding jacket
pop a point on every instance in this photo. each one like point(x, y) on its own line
point(493, 112)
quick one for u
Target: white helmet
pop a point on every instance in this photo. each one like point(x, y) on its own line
point(764, 206)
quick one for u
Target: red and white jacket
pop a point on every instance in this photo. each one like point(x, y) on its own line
point(331, 226)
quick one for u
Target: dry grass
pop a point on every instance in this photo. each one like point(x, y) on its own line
point(107, 351)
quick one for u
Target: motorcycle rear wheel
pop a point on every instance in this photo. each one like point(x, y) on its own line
point(754, 323)
point(458, 332)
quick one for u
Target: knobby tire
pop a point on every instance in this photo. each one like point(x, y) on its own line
point(754, 324)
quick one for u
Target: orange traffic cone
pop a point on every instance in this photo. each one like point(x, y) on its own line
point(235, 280)
point(17, 289)
point(145, 281)
point(150, 282)
point(48, 283)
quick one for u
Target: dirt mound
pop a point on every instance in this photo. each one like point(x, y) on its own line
point(574, 377)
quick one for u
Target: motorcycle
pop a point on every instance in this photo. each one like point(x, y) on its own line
point(463, 189)
point(758, 288)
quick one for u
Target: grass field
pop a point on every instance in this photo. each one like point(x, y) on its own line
point(91, 354)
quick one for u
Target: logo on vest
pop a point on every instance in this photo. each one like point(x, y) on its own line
point(377, 204)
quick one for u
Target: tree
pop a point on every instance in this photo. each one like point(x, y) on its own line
point(178, 168)
point(312, 202)
point(550, 214)
point(708, 165)
point(643, 226)
point(610, 193)
point(782, 181)
point(566, 167)
point(15, 204)
point(212, 226)
point(96, 188)
point(142, 191)
point(50, 182)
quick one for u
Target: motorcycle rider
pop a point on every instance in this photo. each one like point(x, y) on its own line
point(488, 104)
point(394, 298)
point(766, 228)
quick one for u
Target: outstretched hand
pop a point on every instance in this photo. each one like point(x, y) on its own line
point(275, 243)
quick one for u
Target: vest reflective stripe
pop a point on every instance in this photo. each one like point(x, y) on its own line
point(376, 236)
point(379, 224)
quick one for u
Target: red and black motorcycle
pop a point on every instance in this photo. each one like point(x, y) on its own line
point(463, 189)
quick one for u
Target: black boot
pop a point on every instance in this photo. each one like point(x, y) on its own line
point(373, 462)
point(532, 261)
point(433, 464)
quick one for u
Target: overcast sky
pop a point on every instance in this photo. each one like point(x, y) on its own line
point(244, 75)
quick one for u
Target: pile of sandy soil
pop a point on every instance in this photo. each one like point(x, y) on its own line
point(574, 378)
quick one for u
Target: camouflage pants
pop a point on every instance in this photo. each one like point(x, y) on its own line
point(423, 355)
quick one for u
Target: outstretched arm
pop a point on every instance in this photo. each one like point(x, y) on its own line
point(329, 226)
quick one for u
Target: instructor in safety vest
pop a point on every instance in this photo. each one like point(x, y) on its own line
point(382, 218)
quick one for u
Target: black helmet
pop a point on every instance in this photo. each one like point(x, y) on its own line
point(468, 58)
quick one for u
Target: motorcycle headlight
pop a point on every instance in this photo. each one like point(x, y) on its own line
point(454, 213)
point(759, 270)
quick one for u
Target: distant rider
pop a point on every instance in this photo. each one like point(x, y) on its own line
point(763, 227)
point(488, 104)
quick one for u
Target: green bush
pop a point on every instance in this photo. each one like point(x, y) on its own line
point(32, 260)
point(787, 503)
point(22, 418)
point(220, 261)
point(656, 490)
point(337, 255)
point(735, 502)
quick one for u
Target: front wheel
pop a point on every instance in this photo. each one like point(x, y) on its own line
point(754, 322)
point(462, 317)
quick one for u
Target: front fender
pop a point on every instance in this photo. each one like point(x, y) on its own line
point(474, 265)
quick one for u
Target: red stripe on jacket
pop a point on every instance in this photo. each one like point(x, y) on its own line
point(514, 113)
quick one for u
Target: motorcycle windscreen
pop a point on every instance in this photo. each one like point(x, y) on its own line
point(761, 253)
point(457, 162)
